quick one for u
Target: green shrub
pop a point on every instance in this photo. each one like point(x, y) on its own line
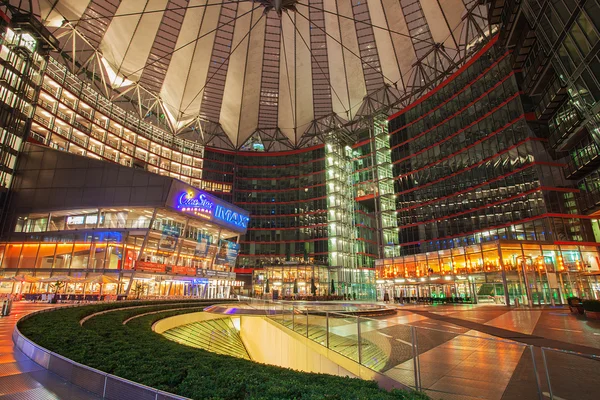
point(591, 305)
point(136, 353)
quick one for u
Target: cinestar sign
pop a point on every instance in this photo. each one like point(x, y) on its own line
point(187, 200)
point(231, 217)
point(203, 205)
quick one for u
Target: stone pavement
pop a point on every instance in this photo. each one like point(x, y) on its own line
point(23, 379)
point(520, 324)
point(500, 365)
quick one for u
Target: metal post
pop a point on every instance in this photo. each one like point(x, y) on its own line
point(104, 390)
point(359, 340)
point(327, 328)
point(418, 360)
point(180, 240)
point(293, 317)
point(537, 378)
point(547, 374)
point(504, 280)
point(307, 323)
point(413, 338)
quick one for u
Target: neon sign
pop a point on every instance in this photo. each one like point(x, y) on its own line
point(199, 205)
point(203, 205)
point(231, 217)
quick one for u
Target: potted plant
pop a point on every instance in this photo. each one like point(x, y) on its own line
point(56, 286)
point(138, 289)
point(575, 305)
point(592, 309)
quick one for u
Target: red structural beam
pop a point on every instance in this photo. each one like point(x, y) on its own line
point(443, 84)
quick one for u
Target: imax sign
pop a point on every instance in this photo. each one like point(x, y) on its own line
point(231, 217)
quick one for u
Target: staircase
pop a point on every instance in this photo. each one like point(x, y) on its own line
point(216, 335)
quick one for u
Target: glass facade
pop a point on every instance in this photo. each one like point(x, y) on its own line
point(495, 272)
point(73, 117)
point(22, 66)
point(469, 169)
point(289, 281)
point(486, 209)
point(285, 194)
point(160, 245)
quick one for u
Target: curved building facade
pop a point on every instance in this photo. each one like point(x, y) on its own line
point(496, 149)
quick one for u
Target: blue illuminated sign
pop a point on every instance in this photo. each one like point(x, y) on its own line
point(231, 217)
point(199, 204)
point(187, 202)
point(203, 205)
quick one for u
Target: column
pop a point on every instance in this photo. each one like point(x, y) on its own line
point(504, 282)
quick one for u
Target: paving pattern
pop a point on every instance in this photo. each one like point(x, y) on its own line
point(489, 352)
point(475, 352)
point(23, 379)
point(465, 352)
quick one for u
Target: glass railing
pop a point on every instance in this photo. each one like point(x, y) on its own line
point(420, 357)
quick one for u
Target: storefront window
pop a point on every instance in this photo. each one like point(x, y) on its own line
point(421, 264)
point(491, 260)
point(57, 223)
point(473, 259)
point(410, 266)
point(63, 255)
point(433, 264)
point(45, 257)
point(512, 256)
point(459, 262)
point(81, 256)
point(28, 256)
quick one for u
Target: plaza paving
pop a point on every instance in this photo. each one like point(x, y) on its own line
point(23, 379)
point(483, 351)
point(465, 352)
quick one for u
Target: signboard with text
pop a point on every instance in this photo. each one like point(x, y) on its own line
point(202, 205)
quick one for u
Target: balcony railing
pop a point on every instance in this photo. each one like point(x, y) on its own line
point(566, 122)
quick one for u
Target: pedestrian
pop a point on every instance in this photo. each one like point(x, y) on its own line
point(386, 297)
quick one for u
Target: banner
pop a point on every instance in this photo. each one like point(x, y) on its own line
point(150, 267)
point(203, 245)
point(168, 240)
point(183, 270)
point(227, 254)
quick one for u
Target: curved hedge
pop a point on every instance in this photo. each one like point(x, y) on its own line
point(135, 352)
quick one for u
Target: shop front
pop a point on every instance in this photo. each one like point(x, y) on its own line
point(187, 246)
point(307, 281)
point(500, 272)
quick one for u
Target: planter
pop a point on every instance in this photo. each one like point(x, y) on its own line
point(576, 309)
point(592, 314)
